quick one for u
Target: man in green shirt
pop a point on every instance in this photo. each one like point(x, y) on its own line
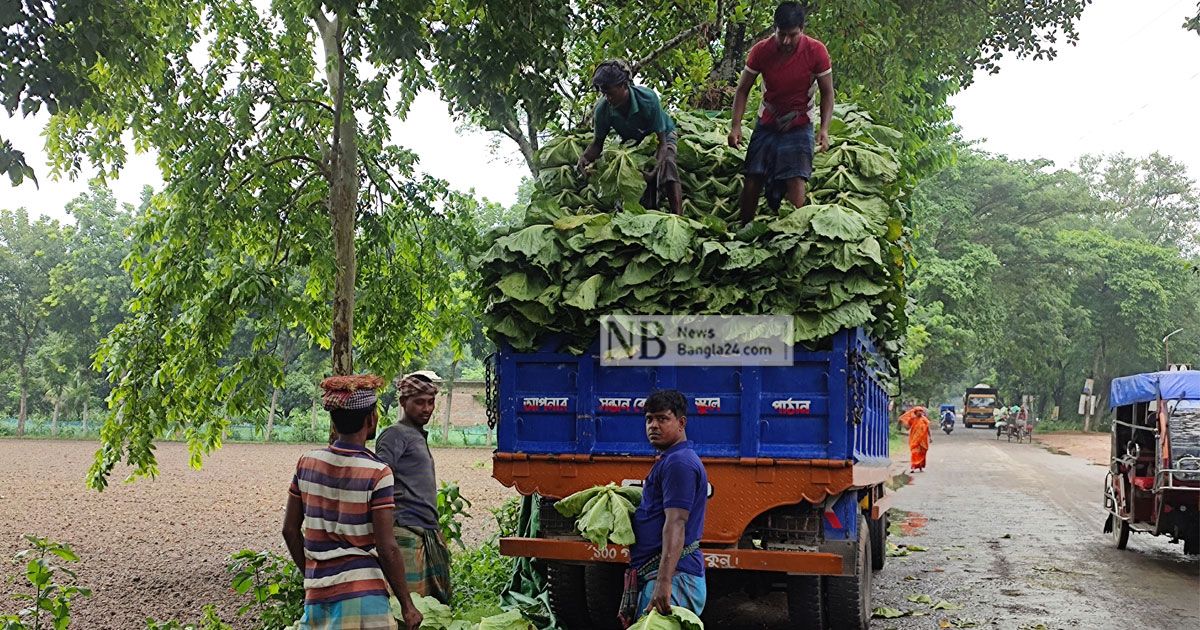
point(635, 112)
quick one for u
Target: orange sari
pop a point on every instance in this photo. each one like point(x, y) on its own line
point(918, 441)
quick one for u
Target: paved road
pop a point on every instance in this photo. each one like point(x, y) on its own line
point(1014, 536)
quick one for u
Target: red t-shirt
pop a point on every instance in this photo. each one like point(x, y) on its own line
point(790, 78)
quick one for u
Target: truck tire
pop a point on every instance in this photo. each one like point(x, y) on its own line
point(848, 599)
point(806, 602)
point(568, 596)
point(1191, 544)
point(604, 582)
point(879, 542)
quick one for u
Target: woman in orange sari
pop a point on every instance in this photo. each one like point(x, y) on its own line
point(918, 439)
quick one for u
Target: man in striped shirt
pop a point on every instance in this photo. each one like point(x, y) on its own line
point(339, 498)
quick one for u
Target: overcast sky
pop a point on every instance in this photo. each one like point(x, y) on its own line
point(1132, 85)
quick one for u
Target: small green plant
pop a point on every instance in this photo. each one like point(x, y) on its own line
point(508, 517)
point(479, 575)
point(452, 508)
point(274, 583)
point(50, 602)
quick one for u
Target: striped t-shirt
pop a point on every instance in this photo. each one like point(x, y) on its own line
point(340, 487)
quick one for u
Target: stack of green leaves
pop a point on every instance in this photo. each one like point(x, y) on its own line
point(679, 619)
point(438, 616)
point(586, 248)
point(603, 513)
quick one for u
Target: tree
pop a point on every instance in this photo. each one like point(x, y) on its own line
point(286, 207)
point(901, 60)
point(1153, 196)
point(28, 251)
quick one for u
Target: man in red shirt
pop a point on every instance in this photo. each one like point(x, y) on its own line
point(793, 66)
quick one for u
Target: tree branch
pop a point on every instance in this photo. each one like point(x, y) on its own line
point(284, 158)
point(667, 46)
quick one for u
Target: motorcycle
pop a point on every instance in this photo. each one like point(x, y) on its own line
point(947, 425)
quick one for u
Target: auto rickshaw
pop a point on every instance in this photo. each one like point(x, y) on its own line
point(1153, 483)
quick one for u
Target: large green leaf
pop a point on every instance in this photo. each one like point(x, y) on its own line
point(585, 294)
point(836, 222)
point(673, 238)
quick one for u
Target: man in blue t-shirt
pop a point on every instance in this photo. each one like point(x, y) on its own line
point(670, 519)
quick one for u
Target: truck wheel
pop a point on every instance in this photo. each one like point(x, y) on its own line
point(567, 595)
point(878, 542)
point(805, 602)
point(1120, 531)
point(604, 583)
point(1191, 544)
point(848, 599)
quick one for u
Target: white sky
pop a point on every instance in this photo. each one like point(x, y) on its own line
point(1132, 84)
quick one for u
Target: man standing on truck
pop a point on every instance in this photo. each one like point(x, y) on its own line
point(635, 112)
point(793, 66)
point(666, 556)
point(405, 447)
point(338, 517)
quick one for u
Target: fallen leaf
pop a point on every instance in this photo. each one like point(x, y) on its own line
point(945, 623)
point(1006, 536)
point(915, 548)
point(883, 612)
point(919, 613)
point(945, 605)
point(910, 577)
point(920, 599)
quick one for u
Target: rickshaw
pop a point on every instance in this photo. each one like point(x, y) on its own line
point(1153, 483)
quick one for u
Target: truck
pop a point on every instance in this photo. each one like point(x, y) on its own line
point(796, 455)
point(979, 405)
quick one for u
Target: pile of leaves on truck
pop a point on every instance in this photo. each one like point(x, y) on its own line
point(586, 248)
point(602, 513)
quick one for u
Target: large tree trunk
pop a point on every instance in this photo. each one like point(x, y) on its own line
point(1087, 417)
point(449, 401)
point(343, 194)
point(312, 417)
point(22, 409)
point(271, 415)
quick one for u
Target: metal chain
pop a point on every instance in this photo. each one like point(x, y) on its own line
point(491, 397)
point(858, 376)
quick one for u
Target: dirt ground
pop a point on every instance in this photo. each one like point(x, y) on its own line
point(158, 548)
point(1093, 447)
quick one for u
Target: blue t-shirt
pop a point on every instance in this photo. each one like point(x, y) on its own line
point(677, 480)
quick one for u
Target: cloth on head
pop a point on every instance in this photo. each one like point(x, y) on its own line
point(356, 391)
point(410, 385)
point(612, 72)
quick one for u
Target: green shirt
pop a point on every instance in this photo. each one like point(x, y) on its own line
point(645, 116)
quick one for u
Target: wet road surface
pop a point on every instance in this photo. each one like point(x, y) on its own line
point(1013, 540)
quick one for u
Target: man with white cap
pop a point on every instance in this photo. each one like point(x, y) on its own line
point(339, 511)
point(404, 447)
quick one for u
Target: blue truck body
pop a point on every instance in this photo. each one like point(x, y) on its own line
point(829, 404)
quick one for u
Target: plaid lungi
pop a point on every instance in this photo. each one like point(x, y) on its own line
point(358, 613)
point(426, 561)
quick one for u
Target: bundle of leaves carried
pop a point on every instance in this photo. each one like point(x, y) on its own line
point(602, 513)
point(679, 619)
point(586, 248)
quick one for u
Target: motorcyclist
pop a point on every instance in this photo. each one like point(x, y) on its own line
point(947, 418)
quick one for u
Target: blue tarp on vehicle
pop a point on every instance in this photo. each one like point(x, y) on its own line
point(1126, 390)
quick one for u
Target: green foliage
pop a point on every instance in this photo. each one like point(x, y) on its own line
point(452, 508)
point(508, 517)
point(679, 619)
point(48, 605)
point(479, 575)
point(275, 585)
point(603, 513)
point(586, 250)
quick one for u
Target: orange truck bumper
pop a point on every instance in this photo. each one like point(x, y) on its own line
point(797, 562)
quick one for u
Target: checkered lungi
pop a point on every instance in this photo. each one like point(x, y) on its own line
point(358, 613)
point(426, 561)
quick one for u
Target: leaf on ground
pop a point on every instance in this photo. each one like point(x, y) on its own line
point(1006, 536)
point(883, 612)
point(945, 605)
point(920, 599)
point(915, 548)
point(945, 623)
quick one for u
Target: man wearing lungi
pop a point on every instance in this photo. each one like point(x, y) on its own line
point(404, 447)
point(793, 66)
point(338, 517)
point(635, 112)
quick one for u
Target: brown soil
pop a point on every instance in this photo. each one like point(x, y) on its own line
point(1093, 447)
point(158, 548)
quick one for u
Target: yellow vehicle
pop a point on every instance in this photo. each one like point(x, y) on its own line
point(979, 403)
